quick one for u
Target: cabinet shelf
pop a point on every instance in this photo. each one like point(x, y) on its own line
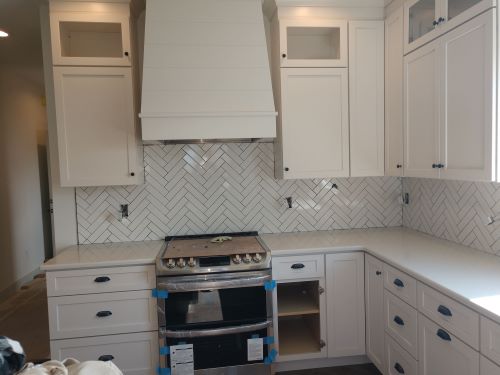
point(299, 335)
point(295, 299)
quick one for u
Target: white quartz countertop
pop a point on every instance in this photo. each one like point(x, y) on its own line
point(105, 255)
point(470, 276)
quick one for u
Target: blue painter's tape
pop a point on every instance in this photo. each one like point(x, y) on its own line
point(270, 285)
point(163, 371)
point(271, 357)
point(159, 293)
point(269, 340)
point(165, 350)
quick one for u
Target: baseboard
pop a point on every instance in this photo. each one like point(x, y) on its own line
point(319, 363)
point(14, 287)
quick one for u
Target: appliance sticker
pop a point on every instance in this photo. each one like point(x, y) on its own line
point(255, 349)
point(181, 359)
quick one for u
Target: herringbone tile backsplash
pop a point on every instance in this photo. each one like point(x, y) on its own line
point(455, 210)
point(192, 189)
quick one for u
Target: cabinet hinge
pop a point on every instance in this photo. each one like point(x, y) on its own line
point(322, 343)
point(321, 290)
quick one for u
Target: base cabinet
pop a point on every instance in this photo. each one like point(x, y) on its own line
point(443, 353)
point(374, 304)
point(345, 304)
point(487, 367)
point(398, 360)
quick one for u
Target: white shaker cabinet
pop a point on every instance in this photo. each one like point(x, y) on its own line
point(366, 97)
point(374, 302)
point(314, 125)
point(443, 353)
point(345, 304)
point(95, 126)
point(487, 367)
point(394, 94)
point(421, 111)
point(450, 123)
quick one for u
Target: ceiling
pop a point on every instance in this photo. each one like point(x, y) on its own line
point(21, 19)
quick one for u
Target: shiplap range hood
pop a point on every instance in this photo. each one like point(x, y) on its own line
point(206, 71)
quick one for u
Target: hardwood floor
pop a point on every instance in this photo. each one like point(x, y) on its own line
point(342, 370)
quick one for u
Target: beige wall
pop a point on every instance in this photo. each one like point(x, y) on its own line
point(22, 125)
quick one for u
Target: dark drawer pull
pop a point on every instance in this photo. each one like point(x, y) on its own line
point(103, 314)
point(399, 368)
point(444, 310)
point(399, 283)
point(399, 321)
point(106, 357)
point(297, 266)
point(102, 279)
point(443, 335)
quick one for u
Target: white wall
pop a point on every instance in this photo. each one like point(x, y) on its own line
point(22, 121)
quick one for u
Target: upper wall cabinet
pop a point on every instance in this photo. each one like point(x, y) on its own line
point(394, 94)
point(366, 97)
point(90, 39)
point(313, 43)
point(425, 20)
point(450, 122)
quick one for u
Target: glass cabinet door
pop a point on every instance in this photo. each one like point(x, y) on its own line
point(421, 18)
point(456, 7)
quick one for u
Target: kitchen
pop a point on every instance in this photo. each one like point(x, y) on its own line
point(251, 187)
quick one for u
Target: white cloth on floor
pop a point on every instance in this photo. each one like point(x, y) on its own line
point(71, 366)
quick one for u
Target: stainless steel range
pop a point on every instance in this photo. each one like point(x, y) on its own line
point(217, 304)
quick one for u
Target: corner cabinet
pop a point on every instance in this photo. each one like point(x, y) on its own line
point(450, 109)
point(314, 123)
point(95, 126)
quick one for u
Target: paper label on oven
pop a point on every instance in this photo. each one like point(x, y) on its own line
point(181, 353)
point(183, 368)
point(255, 349)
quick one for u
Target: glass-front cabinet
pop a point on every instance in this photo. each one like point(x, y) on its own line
point(318, 43)
point(425, 20)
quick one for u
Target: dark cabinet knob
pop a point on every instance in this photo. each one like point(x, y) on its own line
point(106, 358)
point(434, 166)
point(283, 55)
point(125, 53)
point(103, 314)
point(399, 166)
point(132, 174)
point(399, 368)
point(399, 321)
point(287, 169)
point(297, 266)
point(102, 279)
point(378, 273)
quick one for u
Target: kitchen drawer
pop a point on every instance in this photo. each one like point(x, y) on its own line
point(100, 280)
point(442, 353)
point(134, 354)
point(299, 267)
point(401, 322)
point(487, 367)
point(451, 315)
point(398, 360)
point(77, 316)
point(401, 285)
point(490, 340)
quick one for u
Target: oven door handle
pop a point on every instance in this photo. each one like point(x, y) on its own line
point(199, 285)
point(215, 331)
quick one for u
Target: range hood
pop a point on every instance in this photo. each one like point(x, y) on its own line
point(206, 72)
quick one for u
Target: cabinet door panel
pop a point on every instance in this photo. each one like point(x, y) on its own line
point(467, 117)
point(345, 304)
point(444, 355)
point(374, 295)
point(366, 97)
point(315, 124)
point(421, 106)
point(394, 94)
point(95, 126)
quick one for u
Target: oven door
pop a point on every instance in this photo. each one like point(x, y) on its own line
point(204, 302)
point(221, 350)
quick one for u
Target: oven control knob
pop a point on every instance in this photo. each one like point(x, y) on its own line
point(191, 262)
point(247, 258)
point(236, 259)
point(171, 263)
point(181, 263)
point(257, 258)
